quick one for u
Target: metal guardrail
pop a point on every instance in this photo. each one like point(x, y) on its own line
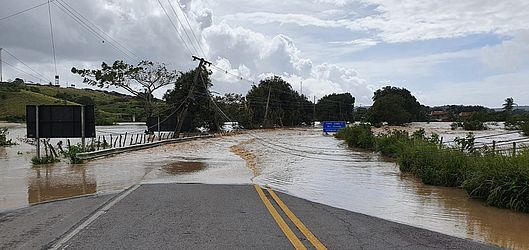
point(118, 150)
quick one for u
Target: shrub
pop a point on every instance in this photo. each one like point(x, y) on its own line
point(44, 160)
point(525, 128)
point(501, 181)
point(357, 136)
point(3, 138)
point(72, 152)
point(391, 144)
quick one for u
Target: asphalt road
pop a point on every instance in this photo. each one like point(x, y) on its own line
point(199, 216)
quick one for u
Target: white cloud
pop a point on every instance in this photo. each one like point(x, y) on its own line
point(510, 55)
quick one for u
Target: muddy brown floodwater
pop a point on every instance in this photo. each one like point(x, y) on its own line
point(300, 162)
point(320, 168)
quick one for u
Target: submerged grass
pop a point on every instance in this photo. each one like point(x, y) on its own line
point(499, 180)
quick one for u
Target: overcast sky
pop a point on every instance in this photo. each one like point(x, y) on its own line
point(445, 52)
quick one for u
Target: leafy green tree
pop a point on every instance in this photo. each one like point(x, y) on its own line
point(335, 107)
point(201, 111)
point(140, 80)
point(285, 106)
point(236, 108)
point(396, 106)
point(85, 100)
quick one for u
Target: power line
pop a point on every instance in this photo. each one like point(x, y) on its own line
point(44, 77)
point(191, 28)
point(101, 30)
point(25, 10)
point(90, 29)
point(183, 28)
point(23, 71)
point(52, 38)
point(175, 28)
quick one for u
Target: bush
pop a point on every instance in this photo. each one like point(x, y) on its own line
point(525, 128)
point(44, 160)
point(501, 181)
point(391, 144)
point(3, 138)
point(72, 152)
point(357, 136)
point(433, 165)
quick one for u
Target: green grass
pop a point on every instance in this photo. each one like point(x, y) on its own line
point(13, 106)
point(110, 107)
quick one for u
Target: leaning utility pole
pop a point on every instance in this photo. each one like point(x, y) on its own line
point(1, 78)
point(190, 94)
point(267, 102)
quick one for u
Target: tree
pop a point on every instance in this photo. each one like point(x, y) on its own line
point(396, 106)
point(508, 105)
point(235, 107)
point(141, 80)
point(85, 100)
point(285, 106)
point(201, 110)
point(335, 107)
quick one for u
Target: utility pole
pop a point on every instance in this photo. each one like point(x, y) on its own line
point(190, 94)
point(267, 102)
point(314, 112)
point(1, 77)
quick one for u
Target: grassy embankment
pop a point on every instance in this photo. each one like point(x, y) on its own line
point(110, 107)
point(500, 180)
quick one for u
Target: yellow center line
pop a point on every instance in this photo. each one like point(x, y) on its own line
point(280, 222)
point(315, 242)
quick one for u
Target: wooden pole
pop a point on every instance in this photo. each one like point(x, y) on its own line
point(494, 147)
point(37, 135)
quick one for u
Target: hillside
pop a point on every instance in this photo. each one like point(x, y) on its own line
point(110, 106)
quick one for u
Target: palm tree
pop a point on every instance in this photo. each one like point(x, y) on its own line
point(508, 105)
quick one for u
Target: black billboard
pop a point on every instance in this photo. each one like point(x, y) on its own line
point(60, 121)
point(167, 124)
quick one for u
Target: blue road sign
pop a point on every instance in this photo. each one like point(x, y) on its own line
point(333, 126)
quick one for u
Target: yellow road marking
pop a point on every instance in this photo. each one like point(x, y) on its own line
point(280, 222)
point(315, 242)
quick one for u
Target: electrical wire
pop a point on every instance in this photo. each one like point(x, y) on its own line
point(39, 74)
point(25, 10)
point(91, 30)
point(52, 38)
point(77, 13)
point(183, 28)
point(191, 28)
point(175, 28)
point(25, 72)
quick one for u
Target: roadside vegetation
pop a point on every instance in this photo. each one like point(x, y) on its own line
point(498, 179)
point(4, 142)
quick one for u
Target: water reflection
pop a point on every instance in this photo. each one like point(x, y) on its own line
point(182, 167)
point(47, 184)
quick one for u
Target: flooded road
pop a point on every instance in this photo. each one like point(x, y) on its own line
point(301, 162)
point(321, 169)
point(207, 161)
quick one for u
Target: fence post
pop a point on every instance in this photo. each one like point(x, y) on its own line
point(441, 142)
point(111, 141)
point(120, 140)
point(514, 149)
point(494, 147)
point(82, 128)
point(125, 140)
point(37, 136)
